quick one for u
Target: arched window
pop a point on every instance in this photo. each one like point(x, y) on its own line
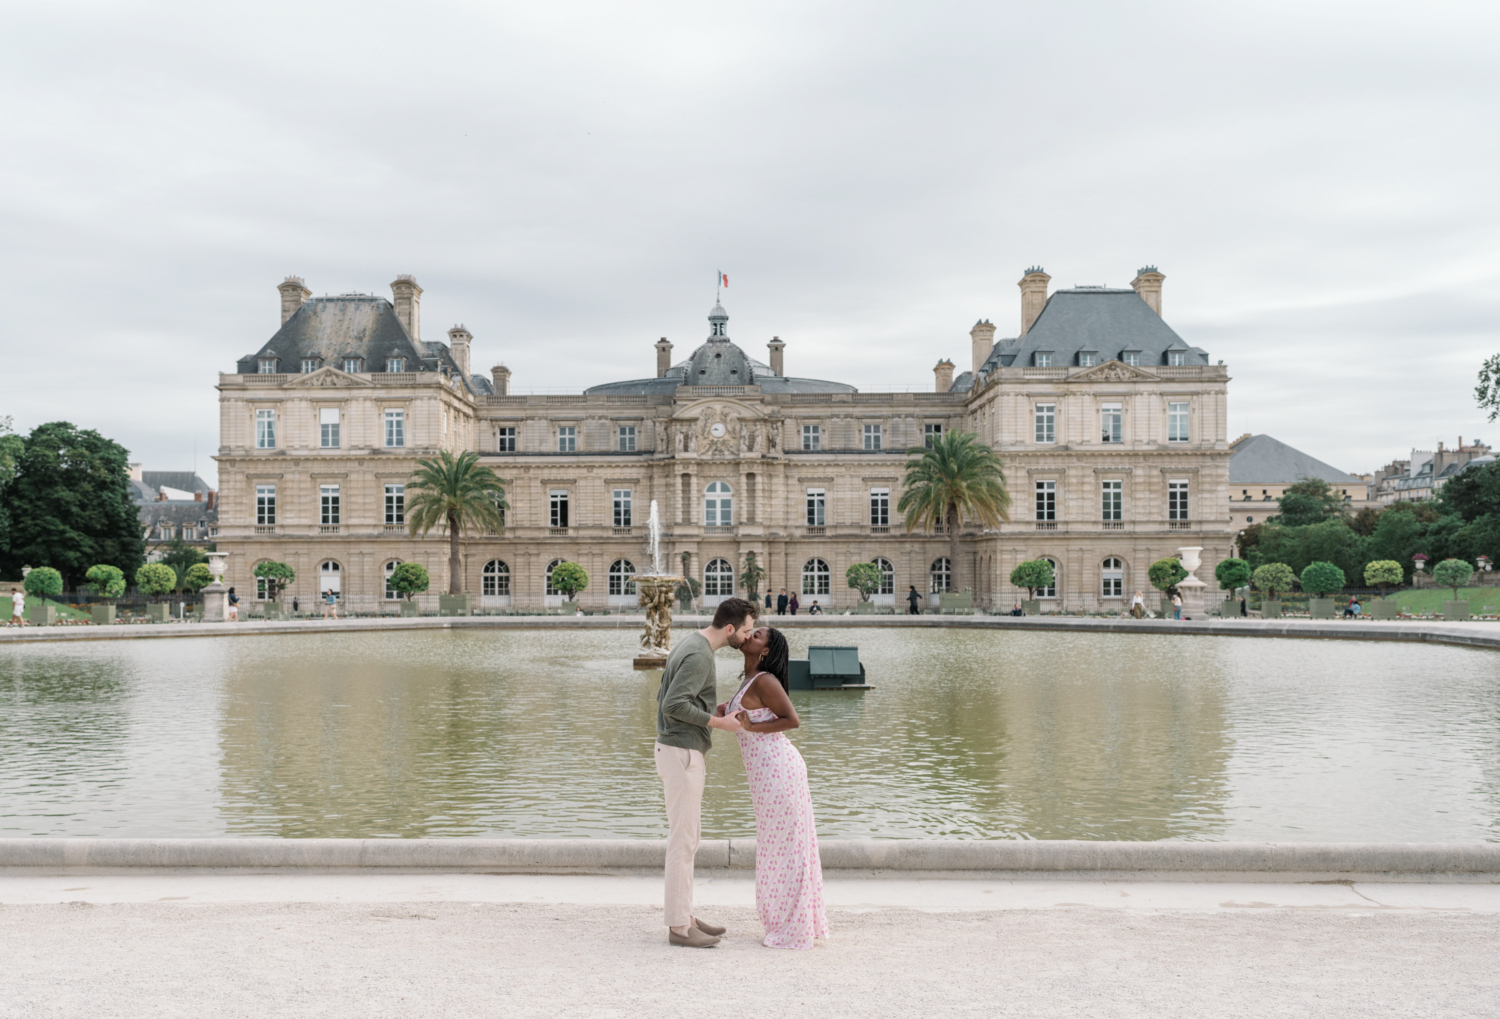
point(718, 505)
point(550, 567)
point(815, 577)
point(941, 575)
point(718, 579)
point(622, 577)
point(1050, 592)
point(1113, 576)
point(495, 579)
point(328, 577)
point(390, 567)
point(887, 576)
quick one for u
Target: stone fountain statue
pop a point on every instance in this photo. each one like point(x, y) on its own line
point(655, 591)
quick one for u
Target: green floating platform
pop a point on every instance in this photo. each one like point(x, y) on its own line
point(828, 668)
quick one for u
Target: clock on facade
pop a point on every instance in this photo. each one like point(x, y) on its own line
point(717, 430)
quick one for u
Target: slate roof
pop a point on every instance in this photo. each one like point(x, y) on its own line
point(720, 362)
point(350, 325)
point(185, 481)
point(1260, 459)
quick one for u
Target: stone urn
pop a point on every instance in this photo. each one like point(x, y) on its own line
point(216, 595)
point(655, 594)
point(1190, 587)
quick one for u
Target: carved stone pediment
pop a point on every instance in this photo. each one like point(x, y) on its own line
point(1113, 371)
point(328, 378)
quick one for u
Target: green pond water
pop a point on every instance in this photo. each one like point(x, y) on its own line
point(967, 734)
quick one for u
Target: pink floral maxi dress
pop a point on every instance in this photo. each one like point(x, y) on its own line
point(788, 872)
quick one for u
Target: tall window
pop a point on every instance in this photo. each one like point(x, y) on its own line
point(265, 429)
point(872, 437)
point(548, 588)
point(880, 507)
point(622, 507)
point(1113, 579)
point(395, 364)
point(1113, 501)
point(1177, 422)
point(395, 505)
point(505, 440)
point(718, 579)
point(940, 576)
point(559, 507)
point(626, 438)
point(328, 500)
point(354, 365)
point(622, 577)
point(931, 433)
point(395, 428)
point(1132, 358)
point(1176, 358)
point(494, 581)
point(1177, 500)
point(887, 576)
point(328, 427)
point(309, 365)
point(329, 574)
point(815, 507)
point(1046, 422)
point(812, 436)
point(1046, 500)
point(1051, 590)
point(567, 439)
point(391, 594)
point(816, 577)
point(265, 505)
point(718, 505)
point(267, 366)
point(1110, 416)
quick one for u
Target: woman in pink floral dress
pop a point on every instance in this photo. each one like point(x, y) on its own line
point(788, 873)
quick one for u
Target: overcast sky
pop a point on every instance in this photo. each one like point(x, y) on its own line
point(1320, 183)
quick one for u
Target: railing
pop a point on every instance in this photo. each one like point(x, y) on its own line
point(1046, 525)
point(1113, 525)
point(265, 528)
point(395, 528)
point(1044, 373)
point(623, 532)
point(816, 532)
point(557, 532)
point(328, 528)
point(880, 529)
point(718, 529)
point(1179, 525)
point(716, 390)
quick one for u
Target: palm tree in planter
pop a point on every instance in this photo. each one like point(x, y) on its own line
point(1382, 573)
point(1453, 573)
point(956, 478)
point(1320, 580)
point(406, 580)
point(454, 492)
point(1271, 579)
point(108, 582)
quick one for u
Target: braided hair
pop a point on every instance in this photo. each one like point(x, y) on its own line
point(777, 656)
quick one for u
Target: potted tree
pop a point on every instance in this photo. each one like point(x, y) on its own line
point(1231, 574)
point(1320, 580)
point(1034, 575)
point(197, 577)
point(569, 578)
point(408, 579)
point(155, 580)
point(750, 578)
point(278, 577)
point(1164, 575)
point(864, 578)
point(108, 582)
point(42, 583)
point(1452, 573)
point(1382, 573)
point(454, 493)
point(1270, 580)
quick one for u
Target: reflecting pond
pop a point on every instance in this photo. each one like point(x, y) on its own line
point(968, 734)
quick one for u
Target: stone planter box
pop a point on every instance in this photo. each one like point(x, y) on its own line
point(158, 611)
point(1455, 611)
point(410, 608)
point(1270, 608)
point(1032, 607)
point(274, 610)
point(864, 608)
point(1321, 608)
point(456, 605)
point(102, 615)
point(43, 614)
point(1384, 608)
point(957, 604)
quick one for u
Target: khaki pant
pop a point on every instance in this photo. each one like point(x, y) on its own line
point(682, 775)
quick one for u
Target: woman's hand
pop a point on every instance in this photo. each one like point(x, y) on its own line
point(743, 717)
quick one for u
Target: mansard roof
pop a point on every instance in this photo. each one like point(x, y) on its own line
point(1260, 459)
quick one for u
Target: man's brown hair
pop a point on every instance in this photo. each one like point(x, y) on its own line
point(732, 612)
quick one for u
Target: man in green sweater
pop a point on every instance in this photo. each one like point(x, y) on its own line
point(685, 707)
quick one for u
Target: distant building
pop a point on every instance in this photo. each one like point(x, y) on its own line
point(1419, 477)
point(174, 504)
point(1261, 469)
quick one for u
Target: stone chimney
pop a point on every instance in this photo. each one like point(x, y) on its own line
point(213, 498)
point(501, 375)
point(776, 346)
point(459, 339)
point(197, 495)
point(407, 297)
point(1147, 283)
point(294, 294)
point(663, 357)
point(1033, 295)
point(983, 339)
point(943, 375)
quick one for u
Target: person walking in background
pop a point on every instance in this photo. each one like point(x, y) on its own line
point(1176, 605)
point(17, 607)
point(781, 601)
point(685, 712)
point(768, 601)
point(793, 604)
point(296, 605)
point(911, 601)
point(330, 604)
point(234, 606)
point(1244, 609)
point(1138, 605)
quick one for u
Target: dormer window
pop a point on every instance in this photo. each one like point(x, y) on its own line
point(354, 365)
point(395, 364)
point(309, 365)
point(267, 366)
point(1042, 359)
point(1132, 358)
point(1087, 358)
point(1175, 358)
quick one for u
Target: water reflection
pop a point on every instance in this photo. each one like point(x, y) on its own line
point(968, 735)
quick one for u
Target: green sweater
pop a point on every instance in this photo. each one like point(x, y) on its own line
point(685, 702)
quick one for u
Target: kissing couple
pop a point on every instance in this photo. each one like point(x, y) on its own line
point(788, 873)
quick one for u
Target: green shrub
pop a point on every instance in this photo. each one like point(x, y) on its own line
point(1322, 579)
point(197, 577)
point(1034, 575)
point(278, 576)
point(408, 579)
point(1165, 574)
point(1232, 573)
point(864, 578)
point(106, 581)
point(1273, 577)
point(43, 581)
point(1382, 573)
point(569, 578)
point(155, 579)
point(1454, 573)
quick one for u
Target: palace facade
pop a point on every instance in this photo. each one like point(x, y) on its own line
point(1111, 429)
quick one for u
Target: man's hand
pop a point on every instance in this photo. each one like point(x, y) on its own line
point(726, 724)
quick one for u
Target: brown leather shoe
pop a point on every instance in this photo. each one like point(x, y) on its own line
point(708, 928)
point(694, 938)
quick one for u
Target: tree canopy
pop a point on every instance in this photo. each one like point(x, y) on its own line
point(408, 579)
point(1273, 578)
point(864, 578)
point(1322, 578)
point(569, 578)
point(196, 577)
point(1383, 573)
point(1232, 573)
point(1165, 574)
point(155, 579)
point(44, 580)
point(1452, 573)
point(1034, 575)
point(956, 478)
point(278, 576)
point(105, 580)
point(454, 492)
point(1309, 501)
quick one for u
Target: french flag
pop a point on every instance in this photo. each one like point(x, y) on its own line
point(723, 280)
